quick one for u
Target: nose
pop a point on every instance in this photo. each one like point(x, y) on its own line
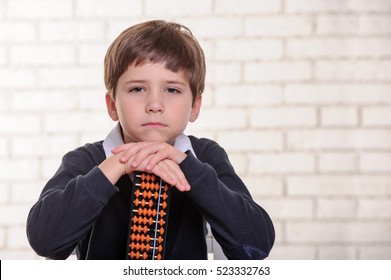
point(154, 103)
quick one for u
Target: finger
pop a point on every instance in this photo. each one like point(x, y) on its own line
point(170, 172)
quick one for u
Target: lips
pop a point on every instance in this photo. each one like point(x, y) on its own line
point(154, 124)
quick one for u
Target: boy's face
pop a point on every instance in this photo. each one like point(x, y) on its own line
point(152, 103)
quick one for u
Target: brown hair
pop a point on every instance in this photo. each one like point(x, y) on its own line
point(157, 42)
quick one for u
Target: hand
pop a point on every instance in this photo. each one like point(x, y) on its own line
point(161, 159)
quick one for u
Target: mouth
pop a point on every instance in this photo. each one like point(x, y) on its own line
point(154, 125)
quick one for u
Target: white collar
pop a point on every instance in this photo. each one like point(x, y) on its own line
point(114, 139)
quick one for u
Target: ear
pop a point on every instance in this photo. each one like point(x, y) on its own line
point(111, 108)
point(195, 111)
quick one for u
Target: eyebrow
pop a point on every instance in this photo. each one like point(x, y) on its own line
point(167, 82)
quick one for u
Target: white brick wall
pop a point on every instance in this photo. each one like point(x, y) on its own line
point(298, 93)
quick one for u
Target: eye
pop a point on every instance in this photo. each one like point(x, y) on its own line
point(136, 89)
point(173, 90)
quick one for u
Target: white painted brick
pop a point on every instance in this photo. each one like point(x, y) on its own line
point(292, 252)
point(3, 56)
point(25, 192)
point(42, 145)
point(17, 32)
point(337, 6)
point(337, 24)
point(337, 252)
point(278, 26)
point(43, 100)
point(283, 117)
point(49, 166)
point(336, 208)
point(70, 31)
point(92, 100)
point(338, 186)
point(281, 208)
point(281, 163)
point(26, 123)
point(5, 193)
point(375, 24)
point(4, 148)
point(108, 9)
point(75, 122)
point(219, 118)
point(172, 8)
point(71, 77)
point(375, 252)
point(4, 104)
point(28, 55)
point(264, 186)
point(339, 94)
point(224, 73)
point(92, 54)
point(17, 238)
point(337, 232)
point(248, 95)
point(2, 230)
point(227, 7)
point(376, 116)
point(353, 70)
point(347, 139)
point(39, 9)
point(12, 254)
point(251, 140)
point(338, 47)
point(339, 116)
point(248, 50)
point(214, 27)
point(277, 71)
point(17, 215)
point(375, 208)
point(17, 169)
point(238, 161)
point(375, 162)
point(17, 78)
point(338, 162)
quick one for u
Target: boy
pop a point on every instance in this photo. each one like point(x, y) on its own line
point(154, 75)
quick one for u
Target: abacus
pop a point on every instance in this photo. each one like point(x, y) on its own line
point(149, 217)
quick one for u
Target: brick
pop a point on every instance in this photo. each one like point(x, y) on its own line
point(91, 100)
point(27, 123)
point(375, 24)
point(222, 118)
point(71, 77)
point(48, 167)
point(338, 162)
point(347, 139)
point(340, 94)
point(283, 117)
point(281, 163)
point(292, 252)
point(39, 146)
point(336, 208)
point(4, 103)
point(4, 148)
point(17, 32)
point(5, 193)
point(92, 54)
point(362, 70)
point(2, 231)
point(17, 168)
point(3, 56)
point(338, 186)
point(264, 186)
point(229, 7)
point(42, 55)
point(76, 122)
point(375, 162)
point(248, 95)
point(39, 9)
point(222, 27)
point(338, 47)
point(277, 71)
point(376, 116)
point(281, 208)
point(17, 238)
point(71, 31)
point(374, 208)
point(224, 73)
point(375, 252)
point(43, 100)
point(337, 24)
point(248, 50)
point(338, 232)
point(25, 192)
point(251, 140)
point(108, 9)
point(338, 6)
point(171, 8)
point(12, 254)
point(337, 252)
point(238, 161)
point(278, 26)
point(18, 217)
point(11, 78)
point(339, 116)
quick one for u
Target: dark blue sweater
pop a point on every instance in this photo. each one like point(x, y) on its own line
point(79, 208)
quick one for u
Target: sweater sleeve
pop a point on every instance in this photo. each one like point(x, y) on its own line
point(68, 206)
point(242, 227)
